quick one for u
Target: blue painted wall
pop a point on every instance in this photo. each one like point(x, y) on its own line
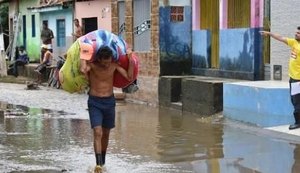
point(258, 103)
point(201, 47)
point(175, 42)
point(241, 50)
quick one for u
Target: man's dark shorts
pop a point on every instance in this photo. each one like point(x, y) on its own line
point(102, 111)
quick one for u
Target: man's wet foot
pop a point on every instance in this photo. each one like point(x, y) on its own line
point(98, 169)
point(294, 126)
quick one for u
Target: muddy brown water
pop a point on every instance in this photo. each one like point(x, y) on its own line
point(145, 140)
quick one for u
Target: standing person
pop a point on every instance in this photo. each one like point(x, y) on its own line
point(46, 37)
point(294, 71)
point(101, 101)
point(77, 29)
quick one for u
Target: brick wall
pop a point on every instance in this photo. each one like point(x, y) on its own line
point(149, 61)
point(284, 20)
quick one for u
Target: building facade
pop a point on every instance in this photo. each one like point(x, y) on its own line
point(93, 15)
point(137, 21)
point(284, 22)
point(226, 39)
point(59, 17)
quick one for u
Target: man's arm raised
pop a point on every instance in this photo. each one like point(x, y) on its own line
point(275, 36)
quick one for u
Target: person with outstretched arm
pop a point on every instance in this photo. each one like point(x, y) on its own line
point(294, 71)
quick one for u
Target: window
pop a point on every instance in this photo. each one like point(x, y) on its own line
point(176, 14)
point(121, 13)
point(61, 32)
point(141, 25)
point(33, 25)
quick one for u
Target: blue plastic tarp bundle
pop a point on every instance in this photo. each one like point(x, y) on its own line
point(100, 38)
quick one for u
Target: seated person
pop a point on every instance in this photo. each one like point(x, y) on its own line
point(44, 49)
point(46, 61)
point(21, 60)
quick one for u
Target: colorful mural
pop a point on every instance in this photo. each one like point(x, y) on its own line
point(175, 42)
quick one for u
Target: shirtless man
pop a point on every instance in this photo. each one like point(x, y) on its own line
point(101, 101)
point(46, 61)
point(77, 29)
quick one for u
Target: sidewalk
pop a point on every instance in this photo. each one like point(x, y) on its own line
point(265, 104)
point(285, 129)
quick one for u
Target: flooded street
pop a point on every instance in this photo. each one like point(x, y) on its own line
point(145, 140)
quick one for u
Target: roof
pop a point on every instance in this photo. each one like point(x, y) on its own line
point(49, 5)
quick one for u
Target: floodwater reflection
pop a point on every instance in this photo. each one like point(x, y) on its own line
point(145, 140)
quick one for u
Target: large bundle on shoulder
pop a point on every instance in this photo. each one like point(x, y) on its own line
point(85, 47)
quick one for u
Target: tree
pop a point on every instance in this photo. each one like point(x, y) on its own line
point(4, 26)
point(4, 18)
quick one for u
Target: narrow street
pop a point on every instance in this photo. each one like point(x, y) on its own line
point(48, 131)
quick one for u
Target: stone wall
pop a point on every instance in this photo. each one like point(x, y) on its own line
point(148, 61)
point(192, 94)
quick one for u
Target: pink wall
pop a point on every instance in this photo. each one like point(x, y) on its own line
point(257, 13)
point(257, 7)
point(95, 9)
point(223, 14)
point(196, 14)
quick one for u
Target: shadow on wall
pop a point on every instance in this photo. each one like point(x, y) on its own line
point(201, 49)
point(200, 61)
point(241, 58)
point(179, 67)
point(175, 51)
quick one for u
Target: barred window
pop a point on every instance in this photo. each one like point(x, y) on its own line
point(176, 14)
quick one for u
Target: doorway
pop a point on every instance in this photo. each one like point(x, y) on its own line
point(24, 31)
point(89, 24)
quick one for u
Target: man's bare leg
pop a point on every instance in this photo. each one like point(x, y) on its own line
point(104, 142)
point(97, 148)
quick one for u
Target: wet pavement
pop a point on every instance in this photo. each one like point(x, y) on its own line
point(50, 137)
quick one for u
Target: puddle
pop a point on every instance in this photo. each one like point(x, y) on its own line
point(145, 140)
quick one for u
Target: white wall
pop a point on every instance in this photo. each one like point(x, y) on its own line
point(284, 20)
point(176, 3)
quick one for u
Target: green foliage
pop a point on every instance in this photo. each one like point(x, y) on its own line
point(4, 17)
